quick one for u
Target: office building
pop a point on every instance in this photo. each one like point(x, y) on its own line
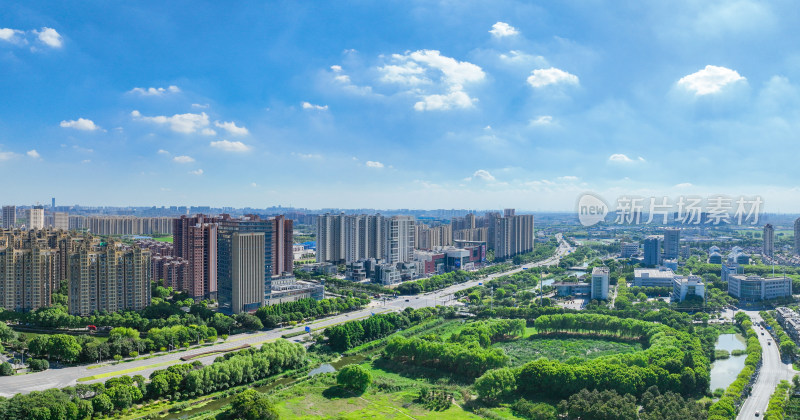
point(282, 243)
point(653, 277)
point(652, 250)
point(234, 293)
point(768, 248)
point(796, 236)
point(685, 287)
point(36, 217)
point(514, 235)
point(241, 271)
point(728, 270)
point(286, 288)
point(629, 249)
point(9, 217)
point(108, 277)
point(757, 288)
point(600, 279)
point(715, 258)
point(672, 238)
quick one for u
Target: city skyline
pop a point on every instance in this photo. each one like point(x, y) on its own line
point(443, 105)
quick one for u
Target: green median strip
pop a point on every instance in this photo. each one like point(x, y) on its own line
point(125, 371)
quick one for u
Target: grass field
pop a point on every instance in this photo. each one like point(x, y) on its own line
point(164, 239)
point(525, 350)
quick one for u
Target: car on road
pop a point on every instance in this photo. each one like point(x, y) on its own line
point(757, 413)
point(406, 300)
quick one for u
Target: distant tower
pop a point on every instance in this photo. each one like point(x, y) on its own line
point(9, 217)
point(652, 250)
point(672, 238)
point(508, 213)
point(769, 240)
point(53, 203)
point(797, 236)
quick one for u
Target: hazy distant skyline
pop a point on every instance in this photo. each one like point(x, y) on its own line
point(398, 104)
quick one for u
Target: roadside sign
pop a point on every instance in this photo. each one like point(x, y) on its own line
point(308, 329)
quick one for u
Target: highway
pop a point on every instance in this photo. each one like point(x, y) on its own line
point(58, 378)
point(773, 370)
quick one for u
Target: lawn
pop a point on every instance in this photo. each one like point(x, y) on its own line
point(164, 239)
point(390, 397)
point(532, 348)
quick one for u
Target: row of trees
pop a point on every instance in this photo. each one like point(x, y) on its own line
point(273, 315)
point(674, 361)
point(462, 359)
point(353, 333)
point(174, 382)
point(485, 333)
point(610, 405)
point(727, 406)
point(786, 345)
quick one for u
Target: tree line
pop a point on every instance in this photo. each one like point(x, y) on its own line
point(345, 336)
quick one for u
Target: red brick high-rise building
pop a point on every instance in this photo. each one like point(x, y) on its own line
point(195, 240)
point(282, 242)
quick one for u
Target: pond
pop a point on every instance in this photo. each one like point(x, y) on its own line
point(725, 371)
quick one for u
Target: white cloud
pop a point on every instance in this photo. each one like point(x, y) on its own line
point(373, 164)
point(230, 146)
point(152, 91)
point(200, 106)
point(232, 128)
point(684, 185)
point(619, 157)
point(182, 123)
point(80, 124)
point(336, 68)
point(344, 81)
point(49, 37)
point(10, 35)
point(253, 184)
point(33, 154)
point(208, 132)
point(7, 156)
point(163, 152)
point(502, 29)
point(307, 155)
point(196, 172)
point(542, 120)
point(483, 174)
point(444, 74)
point(709, 80)
point(308, 105)
point(183, 159)
point(568, 178)
point(544, 77)
point(86, 161)
point(455, 99)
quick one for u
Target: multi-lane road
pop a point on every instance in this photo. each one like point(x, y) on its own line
point(57, 378)
point(773, 370)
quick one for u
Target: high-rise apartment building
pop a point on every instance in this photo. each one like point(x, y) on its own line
point(797, 236)
point(9, 217)
point(672, 239)
point(36, 217)
point(652, 250)
point(344, 238)
point(768, 248)
point(28, 271)
point(195, 240)
point(331, 238)
point(433, 237)
point(513, 235)
point(108, 277)
point(282, 243)
point(399, 234)
point(128, 225)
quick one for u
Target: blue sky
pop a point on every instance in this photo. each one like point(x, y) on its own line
point(398, 104)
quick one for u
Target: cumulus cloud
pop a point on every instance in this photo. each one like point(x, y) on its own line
point(183, 159)
point(343, 80)
point(33, 154)
point(196, 172)
point(502, 29)
point(684, 185)
point(552, 76)
point(568, 178)
point(308, 105)
point(7, 156)
point(11, 35)
point(153, 91)
point(80, 124)
point(709, 80)
point(163, 152)
point(483, 175)
point(49, 37)
point(542, 120)
point(182, 123)
point(439, 81)
point(619, 157)
point(230, 146)
point(232, 128)
point(374, 164)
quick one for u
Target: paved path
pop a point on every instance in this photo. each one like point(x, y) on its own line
point(773, 370)
point(58, 378)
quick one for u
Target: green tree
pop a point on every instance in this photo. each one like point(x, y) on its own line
point(252, 405)
point(102, 404)
point(354, 378)
point(496, 384)
point(6, 369)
